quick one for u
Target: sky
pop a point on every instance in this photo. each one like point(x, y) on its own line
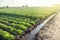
point(29, 2)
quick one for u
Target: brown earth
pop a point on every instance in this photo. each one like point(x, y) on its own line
point(51, 31)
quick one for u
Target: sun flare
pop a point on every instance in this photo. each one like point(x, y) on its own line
point(29, 2)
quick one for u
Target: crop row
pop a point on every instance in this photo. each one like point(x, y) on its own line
point(15, 26)
point(16, 22)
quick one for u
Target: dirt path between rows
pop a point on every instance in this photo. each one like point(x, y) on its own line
point(51, 31)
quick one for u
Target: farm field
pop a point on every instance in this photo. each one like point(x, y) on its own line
point(50, 31)
point(15, 21)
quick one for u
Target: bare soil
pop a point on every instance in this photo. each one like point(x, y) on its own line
point(51, 31)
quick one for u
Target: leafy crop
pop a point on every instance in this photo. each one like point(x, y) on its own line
point(15, 21)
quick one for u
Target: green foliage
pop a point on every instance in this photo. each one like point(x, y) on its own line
point(28, 24)
point(19, 31)
point(14, 21)
point(32, 22)
point(30, 12)
point(6, 35)
point(23, 27)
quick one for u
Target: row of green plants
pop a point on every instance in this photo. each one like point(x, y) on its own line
point(36, 12)
point(14, 25)
point(6, 35)
point(15, 21)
